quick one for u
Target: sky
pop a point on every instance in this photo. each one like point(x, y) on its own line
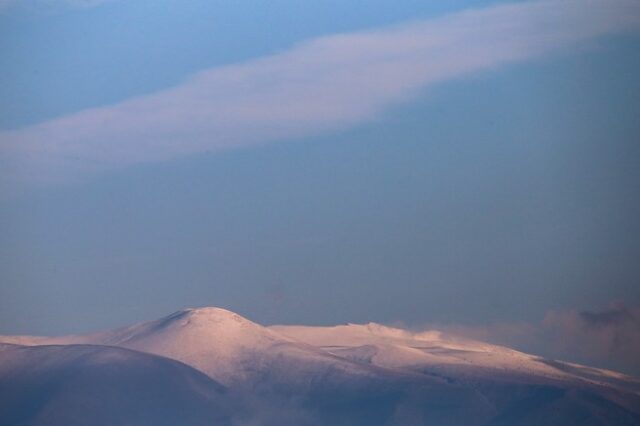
point(471, 164)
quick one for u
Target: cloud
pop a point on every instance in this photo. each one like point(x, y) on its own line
point(610, 335)
point(48, 4)
point(322, 85)
point(6, 4)
point(612, 317)
point(608, 338)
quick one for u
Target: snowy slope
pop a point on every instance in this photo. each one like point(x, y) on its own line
point(372, 374)
point(233, 349)
point(292, 376)
point(79, 385)
point(227, 347)
point(438, 352)
point(494, 370)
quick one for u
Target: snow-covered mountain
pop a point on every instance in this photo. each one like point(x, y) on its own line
point(361, 374)
point(227, 347)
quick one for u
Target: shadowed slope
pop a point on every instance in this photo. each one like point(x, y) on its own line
point(98, 385)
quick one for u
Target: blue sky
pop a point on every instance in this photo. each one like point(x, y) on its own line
point(317, 162)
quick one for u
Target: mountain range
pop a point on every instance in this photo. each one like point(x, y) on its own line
point(208, 366)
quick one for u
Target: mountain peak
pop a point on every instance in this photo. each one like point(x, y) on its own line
point(213, 340)
point(208, 310)
point(211, 313)
point(202, 317)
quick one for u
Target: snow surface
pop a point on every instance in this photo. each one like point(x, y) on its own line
point(74, 385)
point(234, 350)
point(439, 352)
point(347, 374)
point(226, 346)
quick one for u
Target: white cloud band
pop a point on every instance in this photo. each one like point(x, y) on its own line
point(318, 86)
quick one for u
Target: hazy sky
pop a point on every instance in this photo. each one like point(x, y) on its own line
point(463, 162)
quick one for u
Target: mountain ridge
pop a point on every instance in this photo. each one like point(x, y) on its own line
point(363, 373)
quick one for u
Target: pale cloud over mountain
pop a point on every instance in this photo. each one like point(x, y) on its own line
point(607, 337)
point(318, 86)
point(34, 4)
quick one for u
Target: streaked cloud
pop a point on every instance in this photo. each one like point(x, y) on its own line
point(322, 85)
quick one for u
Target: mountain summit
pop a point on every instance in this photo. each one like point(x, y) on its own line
point(221, 343)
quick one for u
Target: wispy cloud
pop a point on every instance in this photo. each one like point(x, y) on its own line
point(35, 4)
point(608, 337)
point(318, 86)
point(6, 4)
